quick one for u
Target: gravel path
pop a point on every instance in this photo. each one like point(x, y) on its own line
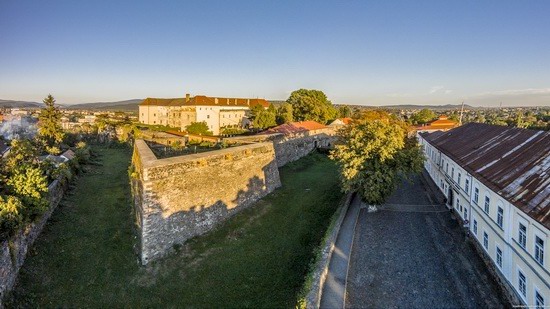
point(412, 254)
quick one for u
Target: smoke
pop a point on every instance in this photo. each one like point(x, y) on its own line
point(18, 128)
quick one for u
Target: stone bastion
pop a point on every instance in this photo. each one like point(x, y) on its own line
point(180, 197)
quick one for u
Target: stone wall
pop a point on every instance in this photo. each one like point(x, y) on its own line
point(289, 148)
point(181, 197)
point(14, 250)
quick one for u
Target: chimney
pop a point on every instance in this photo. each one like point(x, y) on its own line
point(187, 97)
point(216, 100)
point(247, 101)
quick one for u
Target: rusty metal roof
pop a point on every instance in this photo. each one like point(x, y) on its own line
point(513, 162)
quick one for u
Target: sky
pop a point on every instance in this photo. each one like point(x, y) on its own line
point(357, 52)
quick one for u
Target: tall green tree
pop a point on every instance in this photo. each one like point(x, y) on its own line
point(254, 111)
point(284, 114)
point(265, 119)
point(49, 125)
point(374, 156)
point(311, 105)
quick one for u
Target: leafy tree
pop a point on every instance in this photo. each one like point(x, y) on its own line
point(272, 109)
point(198, 128)
point(264, 120)
point(10, 215)
point(284, 114)
point(49, 125)
point(311, 105)
point(374, 156)
point(22, 153)
point(423, 116)
point(345, 111)
point(30, 185)
point(254, 111)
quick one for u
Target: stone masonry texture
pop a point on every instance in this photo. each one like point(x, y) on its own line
point(181, 197)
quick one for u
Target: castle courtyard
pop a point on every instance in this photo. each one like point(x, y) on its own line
point(411, 253)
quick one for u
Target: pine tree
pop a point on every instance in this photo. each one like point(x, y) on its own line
point(49, 125)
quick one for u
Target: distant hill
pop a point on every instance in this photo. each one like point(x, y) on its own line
point(127, 105)
point(19, 104)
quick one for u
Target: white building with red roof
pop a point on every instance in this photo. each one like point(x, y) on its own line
point(181, 112)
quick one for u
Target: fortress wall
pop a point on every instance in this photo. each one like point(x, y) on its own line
point(181, 197)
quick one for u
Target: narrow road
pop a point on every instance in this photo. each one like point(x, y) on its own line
point(412, 254)
point(334, 287)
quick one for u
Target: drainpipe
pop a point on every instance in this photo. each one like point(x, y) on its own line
point(470, 191)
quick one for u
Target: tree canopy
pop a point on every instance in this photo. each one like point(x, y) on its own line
point(284, 113)
point(374, 156)
point(198, 128)
point(345, 111)
point(265, 119)
point(423, 116)
point(311, 105)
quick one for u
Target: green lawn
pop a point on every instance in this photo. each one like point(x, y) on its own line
point(85, 256)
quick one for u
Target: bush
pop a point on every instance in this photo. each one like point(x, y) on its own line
point(10, 215)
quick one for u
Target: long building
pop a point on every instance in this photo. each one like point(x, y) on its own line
point(181, 112)
point(497, 179)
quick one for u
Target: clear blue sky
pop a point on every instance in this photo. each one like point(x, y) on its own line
point(358, 52)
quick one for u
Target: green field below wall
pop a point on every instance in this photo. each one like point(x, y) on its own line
point(85, 256)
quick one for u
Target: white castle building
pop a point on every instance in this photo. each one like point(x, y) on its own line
point(498, 179)
point(181, 112)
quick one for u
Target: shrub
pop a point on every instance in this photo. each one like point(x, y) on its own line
point(10, 215)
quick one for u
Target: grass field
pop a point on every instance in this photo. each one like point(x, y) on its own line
point(85, 256)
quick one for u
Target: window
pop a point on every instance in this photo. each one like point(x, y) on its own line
point(485, 240)
point(522, 239)
point(539, 250)
point(499, 257)
point(522, 284)
point(154, 115)
point(467, 185)
point(459, 176)
point(476, 195)
point(453, 173)
point(447, 167)
point(487, 202)
point(207, 116)
point(465, 213)
point(500, 216)
point(457, 205)
point(141, 114)
point(539, 300)
point(475, 226)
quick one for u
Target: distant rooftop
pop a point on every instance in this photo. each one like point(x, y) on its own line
point(296, 127)
point(201, 100)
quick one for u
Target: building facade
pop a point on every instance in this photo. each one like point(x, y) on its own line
point(181, 112)
point(497, 179)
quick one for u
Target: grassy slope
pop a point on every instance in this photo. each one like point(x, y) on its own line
point(258, 258)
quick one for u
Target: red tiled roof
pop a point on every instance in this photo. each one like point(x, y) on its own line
point(295, 127)
point(440, 124)
point(201, 100)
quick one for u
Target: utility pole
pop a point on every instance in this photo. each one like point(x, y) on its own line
point(461, 112)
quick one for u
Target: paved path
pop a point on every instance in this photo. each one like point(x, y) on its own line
point(334, 287)
point(412, 254)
